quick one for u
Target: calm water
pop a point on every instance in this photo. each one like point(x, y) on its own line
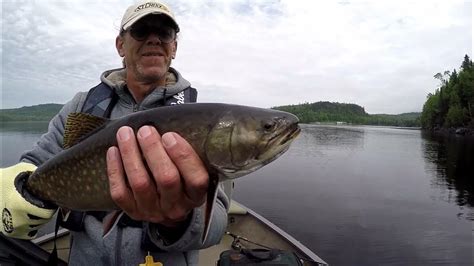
point(356, 195)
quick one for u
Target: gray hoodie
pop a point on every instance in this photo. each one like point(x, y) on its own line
point(124, 245)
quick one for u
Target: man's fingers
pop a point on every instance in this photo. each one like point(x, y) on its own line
point(143, 188)
point(119, 190)
point(166, 186)
point(165, 173)
point(193, 172)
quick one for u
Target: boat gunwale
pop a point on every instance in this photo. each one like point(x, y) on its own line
point(48, 237)
point(290, 239)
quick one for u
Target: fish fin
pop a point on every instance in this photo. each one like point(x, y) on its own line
point(110, 221)
point(210, 202)
point(79, 126)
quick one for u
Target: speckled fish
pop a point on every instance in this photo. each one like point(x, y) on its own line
point(231, 140)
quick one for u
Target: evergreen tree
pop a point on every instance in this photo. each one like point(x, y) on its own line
point(452, 105)
point(467, 63)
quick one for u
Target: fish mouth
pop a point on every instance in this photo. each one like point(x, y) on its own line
point(281, 144)
point(292, 133)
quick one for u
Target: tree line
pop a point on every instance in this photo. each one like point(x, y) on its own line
point(452, 104)
point(42, 112)
point(326, 112)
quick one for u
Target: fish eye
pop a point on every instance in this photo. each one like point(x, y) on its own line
point(269, 125)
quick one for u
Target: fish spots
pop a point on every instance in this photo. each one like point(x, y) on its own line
point(77, 178)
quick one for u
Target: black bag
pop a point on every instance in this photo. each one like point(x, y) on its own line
point(258, 257)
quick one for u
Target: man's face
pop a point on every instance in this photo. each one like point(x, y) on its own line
point(147, 56)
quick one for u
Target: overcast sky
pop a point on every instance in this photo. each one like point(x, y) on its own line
point(379, 54)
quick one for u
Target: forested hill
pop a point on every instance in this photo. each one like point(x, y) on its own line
point(326, 112)
point(41, 112)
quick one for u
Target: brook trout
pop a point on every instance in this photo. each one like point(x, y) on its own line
point(231, 140)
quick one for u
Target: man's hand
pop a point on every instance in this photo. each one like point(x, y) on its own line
point(154, 178)
point(21, 214)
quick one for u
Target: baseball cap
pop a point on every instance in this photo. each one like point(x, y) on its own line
point(143, 8)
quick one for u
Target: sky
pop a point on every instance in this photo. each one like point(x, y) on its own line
point(380, 54)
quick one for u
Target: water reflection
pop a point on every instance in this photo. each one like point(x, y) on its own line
point(450, 159)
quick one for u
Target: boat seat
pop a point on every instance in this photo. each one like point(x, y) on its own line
point(236, 209)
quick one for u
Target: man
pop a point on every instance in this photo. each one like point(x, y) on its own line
point(166, 219)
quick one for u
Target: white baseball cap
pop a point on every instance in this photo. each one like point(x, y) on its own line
point(142, 8)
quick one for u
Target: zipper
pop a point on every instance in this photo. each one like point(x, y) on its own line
point(135, 107)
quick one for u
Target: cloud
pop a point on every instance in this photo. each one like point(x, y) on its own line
point(378, 54)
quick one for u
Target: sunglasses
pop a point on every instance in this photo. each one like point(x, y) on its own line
point(141, 32)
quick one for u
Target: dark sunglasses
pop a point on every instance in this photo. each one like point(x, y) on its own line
point(164, 33)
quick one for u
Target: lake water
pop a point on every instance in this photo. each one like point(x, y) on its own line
point(355, 195)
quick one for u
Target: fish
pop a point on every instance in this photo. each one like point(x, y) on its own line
point(231, 140)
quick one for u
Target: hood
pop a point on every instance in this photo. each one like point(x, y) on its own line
point(116, 79)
